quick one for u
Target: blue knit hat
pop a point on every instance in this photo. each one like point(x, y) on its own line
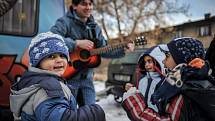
point(185, 49)
point(44, 45)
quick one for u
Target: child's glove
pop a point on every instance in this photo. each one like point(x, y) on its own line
point(128, 86)
point(130, 92)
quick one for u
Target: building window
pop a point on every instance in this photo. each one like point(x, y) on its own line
point(205, 30)
point(21, 19)
point(178, 34)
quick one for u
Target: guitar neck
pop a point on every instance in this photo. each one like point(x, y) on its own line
point(108, 48)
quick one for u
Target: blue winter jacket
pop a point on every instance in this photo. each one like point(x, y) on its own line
point(72, 28)
point(42, 96)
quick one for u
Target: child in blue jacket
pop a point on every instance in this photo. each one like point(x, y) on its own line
point(42, 94)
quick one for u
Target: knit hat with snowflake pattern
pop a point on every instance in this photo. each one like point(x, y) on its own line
point(184, 50)
point(45, 44)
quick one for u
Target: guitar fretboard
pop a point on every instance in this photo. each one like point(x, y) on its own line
point(108, 48)
point(138, 41)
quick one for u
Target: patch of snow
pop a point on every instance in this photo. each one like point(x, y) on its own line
point(113, 110)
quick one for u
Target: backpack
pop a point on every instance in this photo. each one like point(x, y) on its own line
point(202, 92)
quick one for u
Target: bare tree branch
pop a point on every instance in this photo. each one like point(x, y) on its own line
point(131, 16)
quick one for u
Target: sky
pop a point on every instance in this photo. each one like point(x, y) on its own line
point(197, 9)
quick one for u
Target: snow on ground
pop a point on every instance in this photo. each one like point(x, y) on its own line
point(113, 110)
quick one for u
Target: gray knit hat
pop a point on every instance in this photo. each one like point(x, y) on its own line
point(44, 45)
point(185, 49)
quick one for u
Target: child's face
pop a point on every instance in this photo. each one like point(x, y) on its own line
point(149, 64)
point(56, 63)
point(169, 62)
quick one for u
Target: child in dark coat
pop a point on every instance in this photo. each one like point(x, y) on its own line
point(42, 94)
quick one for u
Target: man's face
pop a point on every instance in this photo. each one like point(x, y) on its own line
point(84, 9)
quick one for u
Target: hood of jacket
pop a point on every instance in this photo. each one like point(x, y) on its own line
point(156, 53)
point(32, 81)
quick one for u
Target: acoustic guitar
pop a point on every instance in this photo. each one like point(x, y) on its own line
point(82, 58)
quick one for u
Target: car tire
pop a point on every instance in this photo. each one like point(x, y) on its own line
point(6, 5)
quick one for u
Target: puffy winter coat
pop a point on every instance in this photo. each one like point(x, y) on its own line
point(43, 96)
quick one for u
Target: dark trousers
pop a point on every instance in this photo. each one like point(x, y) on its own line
point(5, 114)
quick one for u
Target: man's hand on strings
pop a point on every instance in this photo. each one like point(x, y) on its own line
point(85, 44)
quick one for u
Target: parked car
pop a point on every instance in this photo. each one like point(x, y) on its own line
point(122, 71)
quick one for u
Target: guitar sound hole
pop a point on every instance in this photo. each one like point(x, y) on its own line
point(77, 64)
point(84, 54)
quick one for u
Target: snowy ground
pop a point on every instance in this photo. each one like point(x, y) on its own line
point(113, 110)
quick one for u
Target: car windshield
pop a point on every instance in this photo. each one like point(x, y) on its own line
point(129, 58)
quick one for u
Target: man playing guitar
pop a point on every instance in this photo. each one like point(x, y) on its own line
point(80, 31)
